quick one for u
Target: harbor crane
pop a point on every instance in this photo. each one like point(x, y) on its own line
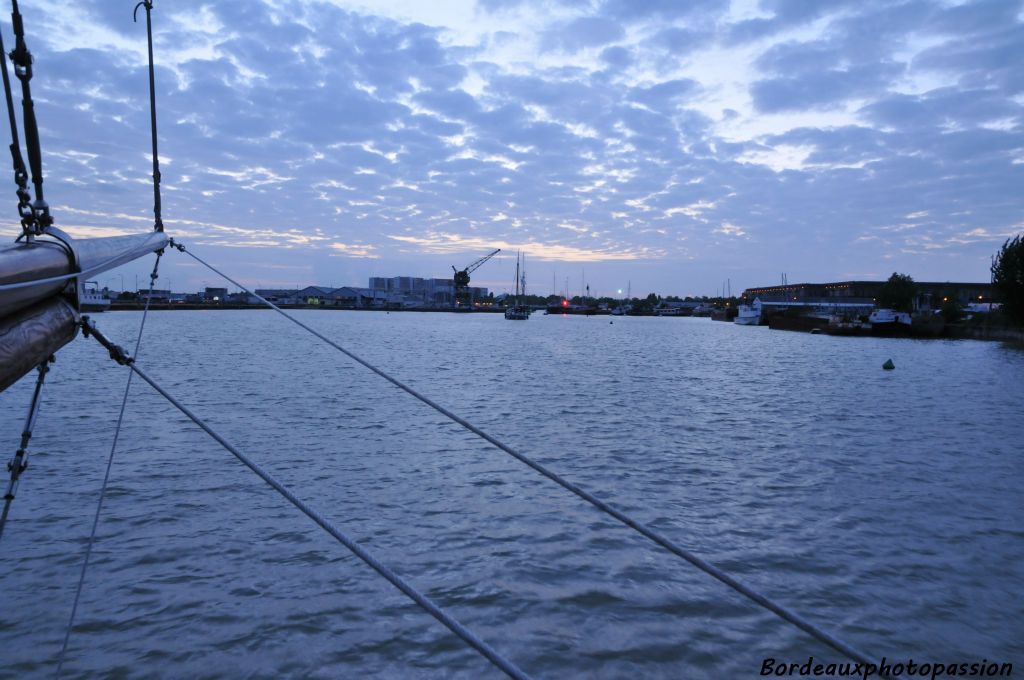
point(462, 297)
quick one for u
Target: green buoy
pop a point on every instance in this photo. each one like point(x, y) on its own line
point(888, 365)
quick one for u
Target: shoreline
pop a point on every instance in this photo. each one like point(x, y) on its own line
point(950, 332)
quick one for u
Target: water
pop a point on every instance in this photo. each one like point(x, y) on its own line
point(883, 505)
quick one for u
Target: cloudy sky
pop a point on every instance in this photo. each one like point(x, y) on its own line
point(668, 144)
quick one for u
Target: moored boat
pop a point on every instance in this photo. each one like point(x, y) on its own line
point(749, 315)
point(889, 322)
point(91, 299)
point(518, 311)
point(839, 324)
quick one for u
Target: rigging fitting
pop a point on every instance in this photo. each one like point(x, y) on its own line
point(117, 353)
point(19, 463)
point(28, 225)
point(21, 57)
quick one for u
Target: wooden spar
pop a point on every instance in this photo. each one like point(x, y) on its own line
point(25, 262)
point(35, 318)
point(30, 335)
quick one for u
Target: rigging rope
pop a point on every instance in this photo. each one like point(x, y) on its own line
point(158, 224)
point(19, 463)
point(707, 567)
point(106, 475)
point(510, 669)
point(22, 58)
point(20, 174)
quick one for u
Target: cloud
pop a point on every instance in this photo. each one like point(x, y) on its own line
point(582, 33)
point(443, 244)
point(595, 132)
point(350, 250)
point(825, 88)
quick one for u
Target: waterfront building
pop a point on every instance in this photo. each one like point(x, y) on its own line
point(394, 292)
point(410, 291)
point(356, 298)
point(280, 296)
point(930, 294)
point(215, 294)
point(158, 296)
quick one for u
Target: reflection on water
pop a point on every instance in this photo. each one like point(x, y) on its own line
point(883, 505)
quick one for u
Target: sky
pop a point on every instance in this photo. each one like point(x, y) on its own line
point(650, 146)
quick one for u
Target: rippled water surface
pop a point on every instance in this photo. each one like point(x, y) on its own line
point(884, 505)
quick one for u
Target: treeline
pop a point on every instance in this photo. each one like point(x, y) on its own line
point(1008, 278)
point(651, 302)
point(900, 290)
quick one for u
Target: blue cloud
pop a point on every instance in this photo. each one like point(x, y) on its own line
point(821, 88)
point(616, 140)
point(581, 33)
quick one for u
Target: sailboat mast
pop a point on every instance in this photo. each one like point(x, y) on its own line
point(522, 278)
point(517, 277)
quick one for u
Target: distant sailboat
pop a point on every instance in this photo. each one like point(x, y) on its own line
point(518, 311)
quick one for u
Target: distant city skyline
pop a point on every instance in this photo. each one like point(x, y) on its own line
point(667, 147)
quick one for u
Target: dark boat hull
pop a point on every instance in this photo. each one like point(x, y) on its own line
point(891, 330)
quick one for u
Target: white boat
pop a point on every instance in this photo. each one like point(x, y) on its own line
point(91, 299)
point(749, 315)
point(888, 322)
point(888, 316)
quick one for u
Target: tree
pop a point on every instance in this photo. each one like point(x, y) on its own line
point(1008, 277)
point(952, 311)
point(898, 293)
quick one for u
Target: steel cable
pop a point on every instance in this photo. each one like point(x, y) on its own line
point(422, 600)
point(780, 610)
point(106, 475)
point(20, 461)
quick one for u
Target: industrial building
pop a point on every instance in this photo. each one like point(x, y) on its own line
point(930, 294)
point(394, 292)
point(345, 296)
point(215, 294)
point(410, 291)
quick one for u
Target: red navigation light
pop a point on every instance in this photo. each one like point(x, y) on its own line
point(565, 303)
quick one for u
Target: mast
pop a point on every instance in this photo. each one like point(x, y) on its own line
point(517, 277)
point(523, 278)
